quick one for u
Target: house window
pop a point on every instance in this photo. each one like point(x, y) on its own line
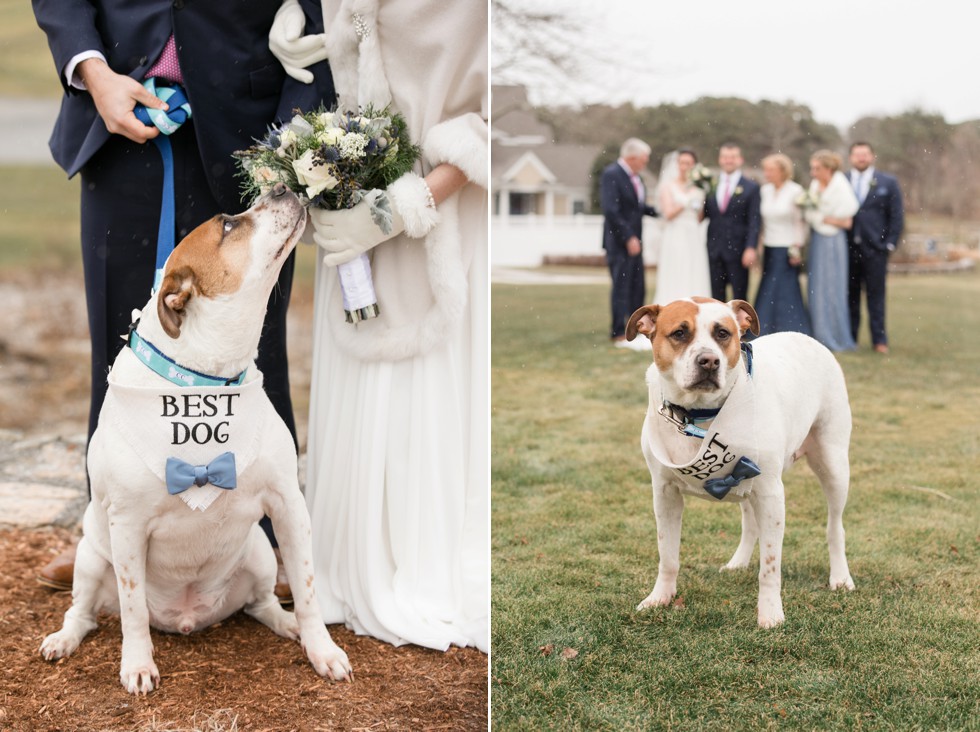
point(578, 207)
point(522, 204)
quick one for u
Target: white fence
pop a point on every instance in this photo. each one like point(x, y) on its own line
point(524, 241)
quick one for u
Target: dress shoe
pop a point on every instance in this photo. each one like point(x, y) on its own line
point(283, 593)
point(881, 348)
point(57, 574)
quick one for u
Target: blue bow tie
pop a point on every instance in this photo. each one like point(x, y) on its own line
point(220, 472)
point(719, 487)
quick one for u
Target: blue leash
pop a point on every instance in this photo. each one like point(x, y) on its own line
point(167, 122)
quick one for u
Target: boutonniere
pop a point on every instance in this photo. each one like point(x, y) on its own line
point(873, 183)
point(738, 191)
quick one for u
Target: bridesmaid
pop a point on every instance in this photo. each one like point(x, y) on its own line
point(779, 302)
point(827, 259)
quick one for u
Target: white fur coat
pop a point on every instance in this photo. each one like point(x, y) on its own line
point(428, 59)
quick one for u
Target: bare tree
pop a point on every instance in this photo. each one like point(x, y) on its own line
point(534, 46)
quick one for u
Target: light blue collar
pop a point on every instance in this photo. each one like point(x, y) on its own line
point(170, 369)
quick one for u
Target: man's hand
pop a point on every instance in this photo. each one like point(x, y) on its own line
point(633, 246)
point(749, 257)
point(115, 96)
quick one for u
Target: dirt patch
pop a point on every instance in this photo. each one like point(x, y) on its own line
point(235, 675)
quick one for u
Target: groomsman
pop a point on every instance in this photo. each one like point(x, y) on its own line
point(734, 223)
point(873, 236)
point(623, 198)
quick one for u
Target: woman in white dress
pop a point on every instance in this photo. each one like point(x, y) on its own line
point(827, 266)
point(682, 266)
point(779, 302)
point(397, 482)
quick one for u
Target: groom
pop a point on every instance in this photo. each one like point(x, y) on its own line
point(872, 237)
point(623, 198)
point(734, 222)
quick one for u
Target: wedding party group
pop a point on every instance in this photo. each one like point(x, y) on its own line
point(378, 136)
point(838, 231)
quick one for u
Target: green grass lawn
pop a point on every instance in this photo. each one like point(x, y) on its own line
point(26, 67)
point(574, 540)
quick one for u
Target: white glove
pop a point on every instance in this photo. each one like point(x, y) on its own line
point(348, 233)
point(288, 44)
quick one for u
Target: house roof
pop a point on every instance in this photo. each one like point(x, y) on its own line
point(568, 164)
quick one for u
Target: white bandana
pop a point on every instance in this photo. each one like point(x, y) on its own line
point(731, 436)
point(195, 424)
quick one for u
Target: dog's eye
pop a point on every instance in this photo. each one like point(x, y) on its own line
point(722, 335)
point(679, 334)
point(228, 226)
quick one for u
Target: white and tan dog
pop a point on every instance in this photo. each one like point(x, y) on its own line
point(725, 420)
point(181, 556)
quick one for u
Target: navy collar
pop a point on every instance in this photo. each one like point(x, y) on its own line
point(169, 369)
point(684, 419)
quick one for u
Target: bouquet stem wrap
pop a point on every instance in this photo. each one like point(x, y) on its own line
point(332, 161)
point(360, 302)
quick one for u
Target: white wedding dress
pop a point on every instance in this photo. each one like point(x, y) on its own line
point(398, 449)
point(682, 267)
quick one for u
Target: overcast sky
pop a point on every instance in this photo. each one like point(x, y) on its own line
point(842, 58)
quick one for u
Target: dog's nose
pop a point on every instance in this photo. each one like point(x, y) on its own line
point(709, 361)
point(279, 189)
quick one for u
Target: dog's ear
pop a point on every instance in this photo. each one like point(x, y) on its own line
point(745, 316)
point(175, 291)
point(643, 320)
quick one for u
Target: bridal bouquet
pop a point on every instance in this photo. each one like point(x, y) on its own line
point(808, 200)
point(331, 160)
point(701, 177)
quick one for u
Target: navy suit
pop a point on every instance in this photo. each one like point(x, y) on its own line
point(235, 86)
point(623, 213)
point(730, 233)
point(873, 236)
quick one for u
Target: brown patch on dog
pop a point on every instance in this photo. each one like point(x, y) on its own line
point(210, 261)
point(675, 326)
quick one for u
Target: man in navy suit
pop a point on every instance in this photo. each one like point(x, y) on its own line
point(103, 50)
point(623, 198)
point(734, 223)
point(874, 235)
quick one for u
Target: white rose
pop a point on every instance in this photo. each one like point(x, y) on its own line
point(287, 139)
point(328, 119)
point(316, 178)
point(330, 136)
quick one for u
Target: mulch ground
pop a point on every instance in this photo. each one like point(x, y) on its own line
point(236, 675)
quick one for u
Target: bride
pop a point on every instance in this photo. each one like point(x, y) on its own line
point(398, 481)
point(682, 268)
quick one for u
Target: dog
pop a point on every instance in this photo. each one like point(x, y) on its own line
point(176, 544)
point(725, 419)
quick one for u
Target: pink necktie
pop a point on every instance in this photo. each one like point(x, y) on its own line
point(637, 187)
point(727, 195)
point(167, 66)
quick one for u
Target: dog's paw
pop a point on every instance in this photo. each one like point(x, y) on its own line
point(139, 678)
point(657, 598)
point(271, 614)
point(59, 645)
point(845, 583)
point(770, 612)
point(331, 662)
point(734, 566)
